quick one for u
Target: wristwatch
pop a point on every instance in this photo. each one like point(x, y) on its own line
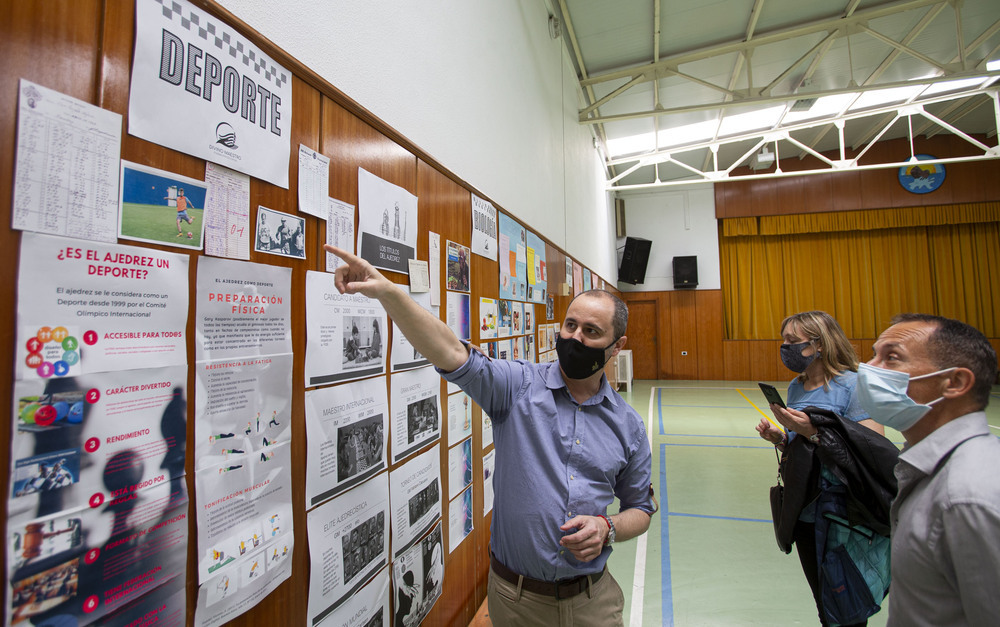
point(814, 438)
point(611, 530)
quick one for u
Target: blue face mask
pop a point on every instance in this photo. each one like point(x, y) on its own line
point(882, 393)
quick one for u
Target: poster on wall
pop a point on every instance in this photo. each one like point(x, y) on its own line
point(577, 279)
point(387, 229)
point(459, 467)
point(458, 314)
point(404, 356)
point(161, 207)
point(537, 272)
point(484, 228)
point(280, 233)
point(487, 318)
point(368, 607)
point(245, 538)
point(416, 410)
point(89, 307)
point(586, 280)
point(200, 87)
point(458, 267)
point(66, 177)
point(314, 182)
point(92, 563)
point(459, 417)
point(344, 333)
point(415, 497)
point(348, 543)
point(489, 465)
point(339, 231)
point(513, 259)
point(417, 577)
point(346, 427)
point(459, 519)
point(570, 281)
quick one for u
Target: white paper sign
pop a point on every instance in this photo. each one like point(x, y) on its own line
point(66, 178)
point(404, 356)
point(227, 213)
point(387, 233)
point(484, 228)
point(459, 417)
point(417, 577)
point(489, 467)
point(339, 230)
point(92, 307)
point(344, 333)
point(415, 494)
point(367, 607)
point(416, 410)
point(459, 468)
point(346, 427)
point(314, 182)
point(200, 87)
point(348, 543)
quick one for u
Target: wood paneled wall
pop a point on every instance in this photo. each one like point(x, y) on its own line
point(973, 181)
point(83, 48)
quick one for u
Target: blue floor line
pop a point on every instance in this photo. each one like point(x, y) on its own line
point(768, 521)
point(705, 435)
point(667, 588)
point(715, 445)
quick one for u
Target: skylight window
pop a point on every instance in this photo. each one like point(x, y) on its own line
point(751, 121)
point(688, 134)
point(965, 83)
point(885, 96)
point(824, 107)
point(634, 144)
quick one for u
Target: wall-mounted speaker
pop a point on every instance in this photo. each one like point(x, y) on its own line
point(633, 267)
point(685, 272)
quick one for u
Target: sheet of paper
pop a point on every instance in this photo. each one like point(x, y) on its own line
point(314, 182)
point(348, 543)
point(459, 467)
point(484, 228)
point(367, 607)
point(227, 213)
point(339, 230)
point(345, 336)
point(458, 315)
point(403, 355)
point(66, 177)
point(420, 280)
point(459, 519)
point(346, 427)
point(416, 410)
point(487, 318)
point(458, 267)
point(415, 496)
point(487, 429)
point(489, 466)
point(387, 223)
point(434, 260)
point(417, 577)
point(459, 417)
point(125, 306)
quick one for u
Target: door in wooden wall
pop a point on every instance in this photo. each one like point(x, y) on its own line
point(642, 338)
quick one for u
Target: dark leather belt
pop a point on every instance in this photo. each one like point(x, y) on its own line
point(564, 589)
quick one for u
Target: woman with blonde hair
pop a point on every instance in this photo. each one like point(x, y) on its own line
point(815, 347)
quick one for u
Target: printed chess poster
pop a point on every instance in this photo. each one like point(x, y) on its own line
point(387, 230)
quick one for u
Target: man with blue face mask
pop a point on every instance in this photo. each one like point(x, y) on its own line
point(931, 379)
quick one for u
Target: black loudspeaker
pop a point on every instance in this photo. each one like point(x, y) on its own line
point(685, 272)
point(633, 268)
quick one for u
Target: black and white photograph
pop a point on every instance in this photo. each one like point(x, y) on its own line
point(423, 501)
point(362, 341)
point(280, 234)
point(421, 418)
point(360, 446)
point(363, 545)
point(417, 577)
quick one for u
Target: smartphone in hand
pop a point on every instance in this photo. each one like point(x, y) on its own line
point(771, 394)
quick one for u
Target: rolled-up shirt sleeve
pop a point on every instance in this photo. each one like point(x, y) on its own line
point(494, 385)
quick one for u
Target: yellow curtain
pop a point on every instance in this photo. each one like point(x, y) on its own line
point(861, 277)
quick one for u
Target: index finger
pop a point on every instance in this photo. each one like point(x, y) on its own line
point(340, 252)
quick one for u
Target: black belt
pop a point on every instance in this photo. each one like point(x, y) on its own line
point(559, 589)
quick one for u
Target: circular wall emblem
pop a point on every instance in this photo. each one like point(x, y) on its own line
point(919, 178)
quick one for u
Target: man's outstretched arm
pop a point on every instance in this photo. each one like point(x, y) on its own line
point(431, 337)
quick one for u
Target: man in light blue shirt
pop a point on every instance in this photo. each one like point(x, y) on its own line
point(566, 446)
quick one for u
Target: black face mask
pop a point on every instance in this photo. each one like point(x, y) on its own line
point(791, 356)
point(578, 360)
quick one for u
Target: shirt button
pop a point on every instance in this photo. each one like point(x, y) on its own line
point(570, 514)
point(571, 477)
point(578, 441)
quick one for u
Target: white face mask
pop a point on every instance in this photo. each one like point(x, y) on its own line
point(882, 393)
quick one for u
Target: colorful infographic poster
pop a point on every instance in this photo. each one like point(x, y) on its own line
point(348, 543)
point(345, 333)
point(88, 307)
point(458, 315)
point(346, 427)
point(537, 274)
point(513, 250)
point(387, 229)
point(459, 519)
point(459, 467)
point(457, 266)
point(487, 318)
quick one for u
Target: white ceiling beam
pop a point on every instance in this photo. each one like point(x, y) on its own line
point(902, 48)
point(783, 34)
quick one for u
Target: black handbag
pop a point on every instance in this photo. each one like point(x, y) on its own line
point(781, 535)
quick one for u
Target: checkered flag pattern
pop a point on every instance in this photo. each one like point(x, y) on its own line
point(223, 41)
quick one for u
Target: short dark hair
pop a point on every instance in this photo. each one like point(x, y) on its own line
point(954, 343)
point(619, 320)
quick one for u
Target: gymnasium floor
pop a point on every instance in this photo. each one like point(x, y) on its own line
point(709, 557)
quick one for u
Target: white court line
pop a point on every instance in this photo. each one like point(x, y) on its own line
point(639, 575)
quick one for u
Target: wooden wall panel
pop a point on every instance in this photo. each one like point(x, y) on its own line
point(708, 305)
point(683, 335)
point(736, 355)
point(642, 338)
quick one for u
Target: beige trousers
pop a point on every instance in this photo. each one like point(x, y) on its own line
point(600, 606)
